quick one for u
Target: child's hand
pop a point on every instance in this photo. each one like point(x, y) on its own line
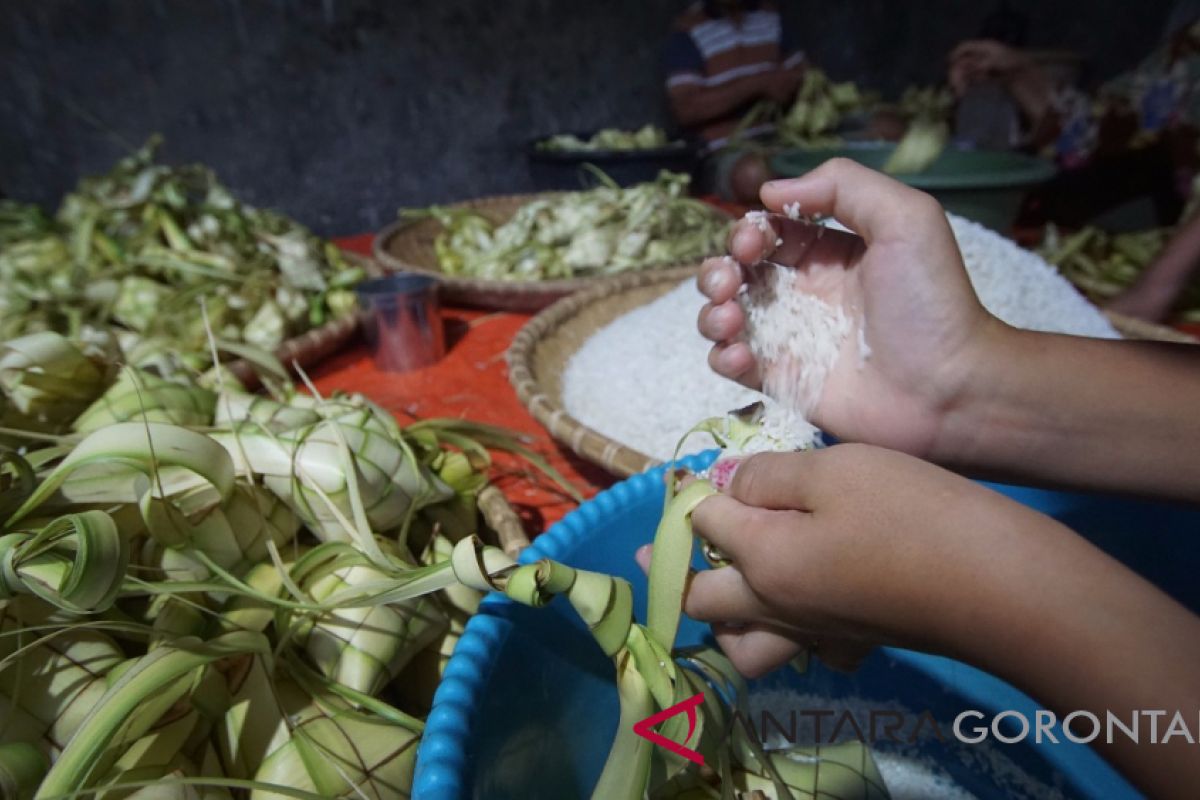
point(851, 547)
point(903, 283)
point(854, 546)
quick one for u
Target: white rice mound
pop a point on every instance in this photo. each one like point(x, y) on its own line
point(644, 380)
point(1021, 288)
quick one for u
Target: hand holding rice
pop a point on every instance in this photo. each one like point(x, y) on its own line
point(869, 336)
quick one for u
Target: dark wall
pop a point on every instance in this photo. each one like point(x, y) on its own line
point(340, 111)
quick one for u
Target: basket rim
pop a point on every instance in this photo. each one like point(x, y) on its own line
point(1134, 328)
point(532, 287)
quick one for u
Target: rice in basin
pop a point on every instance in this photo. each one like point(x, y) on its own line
point(644, 380)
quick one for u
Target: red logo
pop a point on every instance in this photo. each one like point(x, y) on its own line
point(645, 727)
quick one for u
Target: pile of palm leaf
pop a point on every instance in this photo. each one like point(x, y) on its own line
point(1103, 264)
point(601, 231)
point(647, 137)
point(220, 594)
point(820, 107)
point(930, 103)
point(139, 249)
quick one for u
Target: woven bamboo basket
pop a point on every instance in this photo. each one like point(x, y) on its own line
point(1133, 328)
point(314, 346)
point(407, 246)
point(540, 352)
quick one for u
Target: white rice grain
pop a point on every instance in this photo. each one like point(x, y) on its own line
point(795, 337)
point(762, 219)
point(637, 380)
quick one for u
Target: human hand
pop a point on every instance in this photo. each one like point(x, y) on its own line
point(780, 84)
point(976, 59)
point(902, 283)
point(1143, 301)
point(856, 546)
point(851, 547)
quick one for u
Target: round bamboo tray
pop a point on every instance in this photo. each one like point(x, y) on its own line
point(314, 346)
point(407, 246)
point(1134, 328)
point(539, 354)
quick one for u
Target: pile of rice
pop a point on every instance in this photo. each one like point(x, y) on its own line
point(644, 379)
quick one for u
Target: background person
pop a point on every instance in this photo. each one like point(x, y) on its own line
point(722, 57)
point(1135, 136)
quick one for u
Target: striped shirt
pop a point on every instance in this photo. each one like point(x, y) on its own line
point(708, 49)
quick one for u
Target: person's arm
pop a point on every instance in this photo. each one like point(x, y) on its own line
point(1088, 413)
point(864, 545)
point(694, 103)
point(1160, 285)
point(946, 380)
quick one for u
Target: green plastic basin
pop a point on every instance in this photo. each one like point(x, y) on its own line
point(984, 185)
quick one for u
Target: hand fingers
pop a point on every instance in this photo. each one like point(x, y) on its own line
point(751, 242)
point(792, 242)
point(755, 650)
point(781, 481)
point(719, 279)
point(868, 202)
point(722, 595)
point(721, 323)
point(806, 245)
point(752, 538)
point(734, 360)
point(713, 595)
point(642, 556)
point(969, 48)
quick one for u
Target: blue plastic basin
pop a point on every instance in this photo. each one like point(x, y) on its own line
point(528, 707)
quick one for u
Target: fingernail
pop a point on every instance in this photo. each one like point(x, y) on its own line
point(720, 474)
point(642, 557)
point(746, 238)
point(727, 364)
point(719, 314)
point(713, 281)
